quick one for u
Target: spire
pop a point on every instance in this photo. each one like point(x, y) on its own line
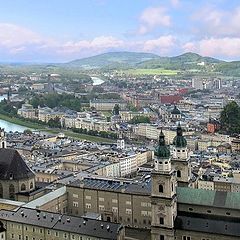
point(179, 141)
point(162, 150)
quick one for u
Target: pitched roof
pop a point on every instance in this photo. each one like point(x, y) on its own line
point(66, 223)
point(229, 200)
point(12, 166)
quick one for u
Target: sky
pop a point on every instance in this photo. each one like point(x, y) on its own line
point(63, 30)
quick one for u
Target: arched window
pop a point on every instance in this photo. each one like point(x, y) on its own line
point(179, 173)
point(23, 187)
point(160, 188)
point(31, 185)
point(11, 192)
point(1, 191)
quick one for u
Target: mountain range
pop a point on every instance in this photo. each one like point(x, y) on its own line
point(141, 60)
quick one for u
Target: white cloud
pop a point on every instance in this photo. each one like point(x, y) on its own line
point(217, 22)
point(161, 45)
point(95, 45)
point(175, 3)
point(17, 41)
point(153, 17)
point(13, 36)
point(223, 47)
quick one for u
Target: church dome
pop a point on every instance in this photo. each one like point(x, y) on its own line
point(179, 141)
point(175, 111)
point(162, 150)
point(12, 166)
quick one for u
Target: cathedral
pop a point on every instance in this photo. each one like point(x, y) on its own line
point(15, 176)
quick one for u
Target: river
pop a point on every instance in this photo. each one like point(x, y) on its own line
point(15, 127)
point(10, 126)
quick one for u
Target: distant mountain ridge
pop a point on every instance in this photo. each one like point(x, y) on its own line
point(141, 60)
point(113, 58)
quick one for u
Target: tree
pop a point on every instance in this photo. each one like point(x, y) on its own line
point(140, 119)
point(116, 109)
point(27, 131)
point(54, 123)
point(230, 118)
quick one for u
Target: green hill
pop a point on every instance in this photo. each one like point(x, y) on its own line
point(185, 61)
point(113, 59)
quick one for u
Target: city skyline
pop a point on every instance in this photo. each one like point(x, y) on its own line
point(61, 31)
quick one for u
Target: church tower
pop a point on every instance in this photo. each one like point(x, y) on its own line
point(180, 159)
point(163, 194)
point(3, 142)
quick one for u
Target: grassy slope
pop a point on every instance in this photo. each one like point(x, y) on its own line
point(157, 71)
point(54, 131)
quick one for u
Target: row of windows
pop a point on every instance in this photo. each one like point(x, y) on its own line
point(101, 199)
point(73, 237)
point(209, 211)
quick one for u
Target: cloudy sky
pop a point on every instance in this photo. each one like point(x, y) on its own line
point(62, 30)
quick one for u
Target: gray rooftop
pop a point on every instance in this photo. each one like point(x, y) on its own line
point(55, 221)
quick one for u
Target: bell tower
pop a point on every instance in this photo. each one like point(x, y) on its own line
point(163, 194)
point(180, 159)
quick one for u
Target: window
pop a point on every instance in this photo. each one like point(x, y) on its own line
point(101, 207)
point(190, 209)
point(144, 213)
point(12, 192)
point(186, 238)
point(101, 199)
point(56, 234)
point(128, 211)
point(179, 173)
point(88, 197)
point(114, 201)
point(19, 237)
point(160, 188)
point(75, 195)
point(31, 185)
point(12, 235)
point(209, 211)
point(128, 203)
point(161, 237)
point(161, 220)
point(228, 213)
point(23, 187)
point(144, 204)
point(115, 209)
point(1, 191)
point(75, 204)
point(88, 205)
point(48, 232)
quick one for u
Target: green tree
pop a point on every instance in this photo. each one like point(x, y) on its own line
point(230, 118)
point(140, 119)
point(54, 123)
point(116, 109)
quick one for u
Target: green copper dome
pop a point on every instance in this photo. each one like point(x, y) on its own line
point(179, 141)
point(162, 150)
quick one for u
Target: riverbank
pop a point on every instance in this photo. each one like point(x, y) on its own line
point(44, 128)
